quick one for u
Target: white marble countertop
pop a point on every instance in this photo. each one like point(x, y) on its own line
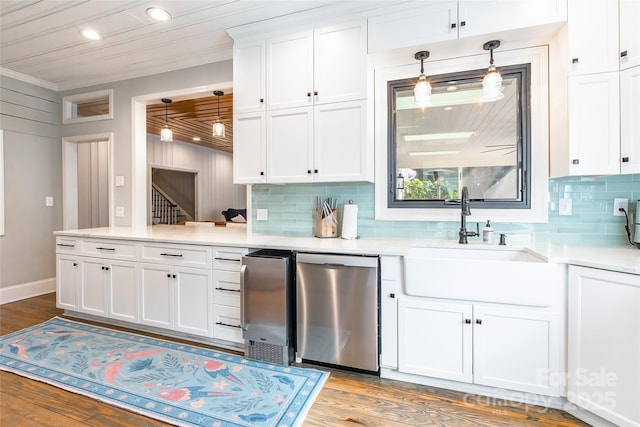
point(619, 258)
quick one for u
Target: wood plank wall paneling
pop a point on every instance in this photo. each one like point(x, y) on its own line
point(29, 109)
point(215, 189)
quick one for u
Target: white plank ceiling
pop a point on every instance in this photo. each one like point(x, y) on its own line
point(41, 38)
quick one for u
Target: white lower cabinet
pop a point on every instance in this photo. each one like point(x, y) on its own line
point(177, 298)
point(604, 344)
point(67, 281)
point(504, 346)
point(227, 262)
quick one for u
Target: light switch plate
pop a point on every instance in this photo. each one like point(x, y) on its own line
point(564, 207)
point(48, 201)
point(119, 180)
point(119, 211)
point(262, 214)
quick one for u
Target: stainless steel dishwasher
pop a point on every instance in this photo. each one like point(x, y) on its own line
point(337, 310)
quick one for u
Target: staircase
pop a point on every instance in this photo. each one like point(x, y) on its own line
point(164, 210)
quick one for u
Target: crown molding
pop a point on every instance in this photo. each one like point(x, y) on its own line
point(28, 79)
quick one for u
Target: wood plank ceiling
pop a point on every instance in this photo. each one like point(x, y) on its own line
point(194, 118)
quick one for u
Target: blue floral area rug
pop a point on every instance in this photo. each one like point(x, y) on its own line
point(176, 383)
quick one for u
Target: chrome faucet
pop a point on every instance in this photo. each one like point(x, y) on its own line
point(466, 211)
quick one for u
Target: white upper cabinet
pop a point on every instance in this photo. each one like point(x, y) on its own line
point(431, 22)
point(249, 148)
point(290, 145)
point(593, 36)
point(629, 34)
point(594, 124)
point(249, 79)
point(317, 67)
point(290, 71)
point(629, 123)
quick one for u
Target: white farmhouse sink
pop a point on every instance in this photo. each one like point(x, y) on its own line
point(491, 274)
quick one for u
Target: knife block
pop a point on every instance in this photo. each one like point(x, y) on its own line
point(327, 226)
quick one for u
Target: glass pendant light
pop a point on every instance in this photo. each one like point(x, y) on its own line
point(422, 91)
point(492, 82)
point(218, 126)
point(166, 135)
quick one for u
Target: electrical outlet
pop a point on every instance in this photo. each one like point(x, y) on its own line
point(262, 214)
point(620, 203)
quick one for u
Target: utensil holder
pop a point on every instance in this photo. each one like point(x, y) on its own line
point(327, 226)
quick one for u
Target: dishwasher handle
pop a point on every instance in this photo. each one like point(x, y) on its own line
point(243, 271)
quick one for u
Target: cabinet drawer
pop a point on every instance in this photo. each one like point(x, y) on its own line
point(227, 323)
point(65, 245)
point(228, 258)
point(186, 255)
point(113, 249)
point(226, 288)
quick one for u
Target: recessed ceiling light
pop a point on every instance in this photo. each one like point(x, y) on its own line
point(91, 34)
point(196, 138)
point(158, 14)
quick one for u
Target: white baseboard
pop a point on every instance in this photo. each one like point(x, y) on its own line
point(27, 290)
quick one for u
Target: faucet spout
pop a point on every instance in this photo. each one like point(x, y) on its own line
point(465, 212)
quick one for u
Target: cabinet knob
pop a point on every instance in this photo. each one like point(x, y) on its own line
point(463, 23)
point(575, 61)
point(261, 173)
point(315, 93)
point(478, 321)
point(106, 269)
point(174, 276)
point(308, 171)
point(454, 25)
point(169, 275)
point(75, 264)
point(315, 171)
point(102, 268)
point(309, 94)
point(262, 100)
point(625, 160)
point(392, 295)
point(575, 161)
point(467, 321)
point(623, 54)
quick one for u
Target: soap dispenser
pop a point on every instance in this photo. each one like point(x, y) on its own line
point(487, 233)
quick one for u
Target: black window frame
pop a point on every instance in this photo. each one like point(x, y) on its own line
point(522, 75)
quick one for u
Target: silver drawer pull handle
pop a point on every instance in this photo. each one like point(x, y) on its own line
point(104, 249)
point(227, 259)
point(64, 245)
point(227, 289)
point(228, 324)
point(175, 255)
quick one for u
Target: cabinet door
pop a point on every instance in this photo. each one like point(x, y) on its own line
point(290, 145)
point(290, 71)
point(67, 282)
point(340, 63)
point(594, 124)
point(193, 301)
point(156, 295)
point(629, 34)
point(516, 349)
point(477, 17)
point(434, 339)
point(423, 23)
point(390, 285)
point(249, 149)
point(122, 284)
point(93, 294)
point(249, 77)
point(604, 343)
point(629, 123)
point(593, 36)
point(340, 142)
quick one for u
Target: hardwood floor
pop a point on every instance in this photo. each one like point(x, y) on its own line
point(347, 398)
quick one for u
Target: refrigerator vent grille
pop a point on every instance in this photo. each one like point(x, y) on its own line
point(265, 352)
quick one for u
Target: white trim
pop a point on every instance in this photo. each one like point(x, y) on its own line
point(1, 182)
point(70, 177)
point(28, 79)
point(69, 105)
point(539, 95)
point(27, 290)
point(140, 196)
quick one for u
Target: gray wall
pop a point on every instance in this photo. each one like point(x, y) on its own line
point(30, 117)
point(121, 124)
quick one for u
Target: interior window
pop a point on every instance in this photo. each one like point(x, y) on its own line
point(460, 141)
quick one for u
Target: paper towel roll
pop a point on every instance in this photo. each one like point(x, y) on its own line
point(350, 221)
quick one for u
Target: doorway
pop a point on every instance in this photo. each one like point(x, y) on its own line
point(173, 196)
point(86, 189)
